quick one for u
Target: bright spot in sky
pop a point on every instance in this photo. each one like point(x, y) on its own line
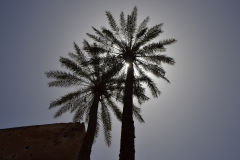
point(127, 65)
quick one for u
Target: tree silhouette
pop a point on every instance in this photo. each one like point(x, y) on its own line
point(133, 45)
point(95, 83)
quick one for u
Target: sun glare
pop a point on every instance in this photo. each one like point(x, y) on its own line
point(127, 65)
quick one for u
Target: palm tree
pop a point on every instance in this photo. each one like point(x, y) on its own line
point(132, 45)
point(95, 83)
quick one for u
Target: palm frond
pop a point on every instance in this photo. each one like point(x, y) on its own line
point(107, 124)
point(137, 115)
point(74, 57)
point(131, 25)
point(150, 35)
point(157, 70)
point(75, 68)
point(81, 101)
point(140, 34)
point(111, 36)
point(69, 64)
point(61, 75)
point(93, 49)
point(83, 110)
point(139, 92)
point(98, 32)
point(97, 38)
point(63, 83)
point(64, 79)
point(123, 23)
point(151, 48)
point(97, 127)
point(153, 88)
point(81, 55)
point(114, 108)
point(112, 21)
point(63, 109)
point(158, 59)
point(146, 79)
point(142, 25)
point(107, 76)
point(168, 41)
point(78, 116)
point(66, 98)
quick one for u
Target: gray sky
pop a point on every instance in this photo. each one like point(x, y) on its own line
point(197, 115)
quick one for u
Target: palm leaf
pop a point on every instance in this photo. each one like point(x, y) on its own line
point(131, 25)
point(145, 79)
point(81, 56)
point(137, 115)
point(106, 121)
point(63, 109)
point(158, 59)
point(66, 98)
point(123, 23)
point(157, 70)
point(114, 108)
point(112, 21)
point(139, 93)
point(142, 25)
point(150, 35)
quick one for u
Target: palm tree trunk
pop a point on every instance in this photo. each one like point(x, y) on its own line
point(88, 140)
point(127, 147)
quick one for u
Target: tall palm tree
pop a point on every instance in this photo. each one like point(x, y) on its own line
point(132, 45)
point(95, 83)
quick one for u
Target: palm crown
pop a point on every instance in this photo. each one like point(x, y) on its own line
point(91, 80)
point(131, 44)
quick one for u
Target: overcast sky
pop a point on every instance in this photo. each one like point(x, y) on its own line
point(197, 115)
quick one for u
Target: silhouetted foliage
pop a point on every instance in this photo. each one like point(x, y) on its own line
point(130, 43)
point(96, 82)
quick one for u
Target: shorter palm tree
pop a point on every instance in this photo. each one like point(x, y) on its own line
point(95, 83)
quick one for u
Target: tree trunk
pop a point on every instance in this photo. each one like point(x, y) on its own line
point(89, 138)
point(127, 147)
